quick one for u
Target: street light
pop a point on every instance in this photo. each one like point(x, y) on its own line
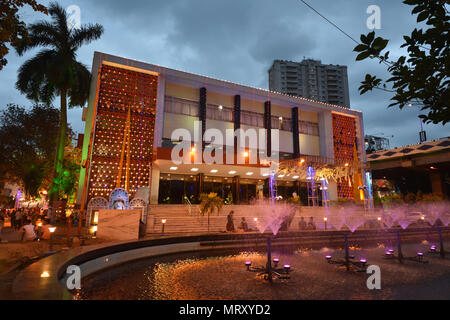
point(163, 221)
point(52, 230)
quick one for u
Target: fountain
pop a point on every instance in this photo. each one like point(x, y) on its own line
point(271, 216)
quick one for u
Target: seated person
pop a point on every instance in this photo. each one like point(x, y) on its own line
point(302, 224)
point(311, 224)
point(28, 232)
point(46, 234)
point(244, 225)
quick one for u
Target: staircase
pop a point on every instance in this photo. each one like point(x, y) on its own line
point(184, 219)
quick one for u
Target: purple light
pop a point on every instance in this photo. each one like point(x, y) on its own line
point(391, 251)
point(388, 253)
point(328, 257)
point(363, 260)
point(287, 267)
point(248, 263)
point(276, 260)
point(433, 248)
point(420, 254)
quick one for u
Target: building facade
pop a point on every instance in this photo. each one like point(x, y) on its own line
point(136, 108)
point(311, 79)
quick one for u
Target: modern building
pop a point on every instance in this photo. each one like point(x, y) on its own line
point(136, 108)
point(311, 79)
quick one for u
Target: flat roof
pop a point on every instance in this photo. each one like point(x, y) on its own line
point(416, 149)
point(197, 81)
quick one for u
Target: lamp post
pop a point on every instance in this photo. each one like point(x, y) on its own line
point(52, 230)
point(163, 221)
point(94, 231)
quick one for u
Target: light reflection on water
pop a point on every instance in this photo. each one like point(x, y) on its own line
point(218, 277)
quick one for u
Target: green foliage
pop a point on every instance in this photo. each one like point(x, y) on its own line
point(422, 78)
point(27, 140)
point(12, 29)
point(410, 198)
point(295, 200)
point(210, 202)
point(54, 71)
point(229, 199)
point(66, 182)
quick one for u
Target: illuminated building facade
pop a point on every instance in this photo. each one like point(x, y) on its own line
point(135, 107)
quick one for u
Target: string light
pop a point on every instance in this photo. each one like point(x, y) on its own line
point(120, 90)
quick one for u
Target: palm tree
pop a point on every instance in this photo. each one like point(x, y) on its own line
point(209, 202)
point(54, 71)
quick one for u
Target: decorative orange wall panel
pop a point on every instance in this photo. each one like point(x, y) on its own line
point(344, 136)
point(124, 96)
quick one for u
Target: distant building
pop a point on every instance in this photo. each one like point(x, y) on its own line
point(374, 144)
point(311, 79)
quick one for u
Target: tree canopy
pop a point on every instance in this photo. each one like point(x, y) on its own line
point(422, 77)
point(12, 29)
point(27, 152)
point(54, 71)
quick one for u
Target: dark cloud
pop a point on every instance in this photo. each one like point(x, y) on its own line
point(237, 40)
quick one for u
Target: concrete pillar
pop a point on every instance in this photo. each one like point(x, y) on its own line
point(159, 117)
point(436, 183)
point(326, 134)
point(154, 184)
point(332, 191)
point(235, 188)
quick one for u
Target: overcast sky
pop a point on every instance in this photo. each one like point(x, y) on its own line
point(237, 40)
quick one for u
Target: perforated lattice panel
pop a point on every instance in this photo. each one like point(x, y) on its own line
point(344, 136)
point(119, 90)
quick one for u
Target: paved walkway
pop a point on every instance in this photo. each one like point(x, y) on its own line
point(30, 285)
point(10, 235)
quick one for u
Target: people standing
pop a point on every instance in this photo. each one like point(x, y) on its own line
point(13, 219)
point(230, 222)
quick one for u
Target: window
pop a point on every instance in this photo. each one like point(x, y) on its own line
point(285, 124)
point(214, 112)
point(252, 119)
point(308, 128)
point(181, 106)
